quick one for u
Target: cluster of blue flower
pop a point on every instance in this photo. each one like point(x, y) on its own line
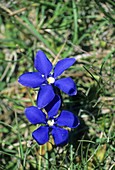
point(52, 122)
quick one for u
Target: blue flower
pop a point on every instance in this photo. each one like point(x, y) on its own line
point(52, 123)
point(46, 80)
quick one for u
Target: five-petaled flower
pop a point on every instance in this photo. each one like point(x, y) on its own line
point(52, 123)
point(46, 80)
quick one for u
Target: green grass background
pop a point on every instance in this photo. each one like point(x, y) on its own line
point(83, 29)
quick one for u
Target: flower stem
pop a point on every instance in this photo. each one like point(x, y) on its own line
point(46, 155)
point(39, 166)
point(71, 157)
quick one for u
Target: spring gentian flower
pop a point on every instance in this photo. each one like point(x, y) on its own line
point(52, 123)
point(46, 80)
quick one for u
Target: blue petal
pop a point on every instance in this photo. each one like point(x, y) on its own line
point(41, 135)
point(67, 85)
point(62, 65)
point(45, 95)
point(68, 119)
point(60, 135)
point(42, 63)
point(31, 79)
point(34, 115)
point(53, 107)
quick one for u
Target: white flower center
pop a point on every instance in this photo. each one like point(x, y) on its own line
point(43, 75)
point(50, 80)
point(50, 122)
